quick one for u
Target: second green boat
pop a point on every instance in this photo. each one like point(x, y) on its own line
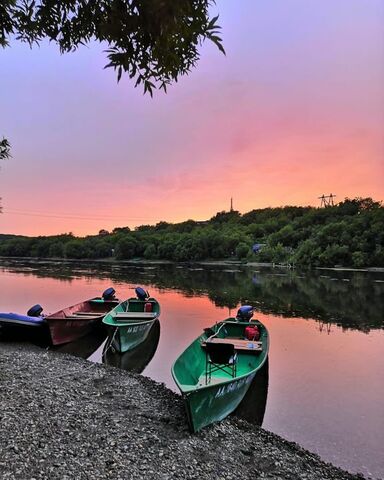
point(216, 370)
point(130, 322)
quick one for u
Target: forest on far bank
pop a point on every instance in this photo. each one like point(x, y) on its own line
point(350, 234)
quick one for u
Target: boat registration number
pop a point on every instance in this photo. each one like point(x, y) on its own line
point(234, 386)
point(138, 328)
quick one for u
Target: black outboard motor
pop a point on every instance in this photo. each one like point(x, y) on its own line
point(35, 311)
point(141, 293)
point(109, 294)
point(245, 313)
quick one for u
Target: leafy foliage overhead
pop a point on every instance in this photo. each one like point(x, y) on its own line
point(153, 41)
point(4, 149)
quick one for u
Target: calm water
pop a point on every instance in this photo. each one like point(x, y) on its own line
point(326, 363)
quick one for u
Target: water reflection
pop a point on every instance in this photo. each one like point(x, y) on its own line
point(252, 407)
point(85, 346)
point(138, 358)
point(36, 335)
point(350, 299)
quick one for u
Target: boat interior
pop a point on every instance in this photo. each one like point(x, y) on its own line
point(194, 369)
point(89, 309)
point(136, 305)
point(134, 309)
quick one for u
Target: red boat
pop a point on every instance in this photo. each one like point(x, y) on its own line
point(74, 322)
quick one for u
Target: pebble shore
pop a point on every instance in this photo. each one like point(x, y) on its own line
point(65, 418)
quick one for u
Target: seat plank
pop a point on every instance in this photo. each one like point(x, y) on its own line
point(134, 315)
point(239, 344)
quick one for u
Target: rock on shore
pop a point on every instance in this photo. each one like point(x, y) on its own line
point(65, 418)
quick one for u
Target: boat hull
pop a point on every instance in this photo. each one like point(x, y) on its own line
point(66, 331)
point(216, 402)
point(15, 320)
point(127, 337)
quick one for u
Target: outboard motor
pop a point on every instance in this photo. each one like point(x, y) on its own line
point(35, 311)
point(109, 294)
point(141, 293)
point(245, 313)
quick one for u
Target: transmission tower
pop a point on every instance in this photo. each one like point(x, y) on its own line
point(327, 200)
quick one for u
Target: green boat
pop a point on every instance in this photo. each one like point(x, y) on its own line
point(213, 386)
point(131, 321)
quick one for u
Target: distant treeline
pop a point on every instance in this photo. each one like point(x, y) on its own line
point(350, 234)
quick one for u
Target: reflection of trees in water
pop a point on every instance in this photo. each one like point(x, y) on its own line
point(350, 302)
point(349, 299)
point(44, 269)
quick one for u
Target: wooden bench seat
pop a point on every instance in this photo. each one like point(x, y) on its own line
point(81, 317)
point(239, 344)
point(132, 316)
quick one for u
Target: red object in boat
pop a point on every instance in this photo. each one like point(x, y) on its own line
point(148, 307)
point(252, 332)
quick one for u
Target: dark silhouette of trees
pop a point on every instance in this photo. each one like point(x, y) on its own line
point(350, 234)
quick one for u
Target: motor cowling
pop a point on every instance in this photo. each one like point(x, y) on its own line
point(109, 294)
point(35, 311)
point(141, 293)
point(245, 313)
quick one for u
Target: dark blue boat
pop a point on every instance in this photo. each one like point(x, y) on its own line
point(14, 326)
point(15, 319)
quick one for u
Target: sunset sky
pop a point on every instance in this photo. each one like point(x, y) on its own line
point(294, 110)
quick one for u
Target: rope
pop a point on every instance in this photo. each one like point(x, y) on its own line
point(214, 335)
point(109, 344)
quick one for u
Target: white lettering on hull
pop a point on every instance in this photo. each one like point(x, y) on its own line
point(137, 328)
point(233, 386)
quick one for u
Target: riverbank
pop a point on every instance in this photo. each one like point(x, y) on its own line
point(66, 418)
point(201, 263)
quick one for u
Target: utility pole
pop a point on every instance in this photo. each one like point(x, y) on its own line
point(231, 209)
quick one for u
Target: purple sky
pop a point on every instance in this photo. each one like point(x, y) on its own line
point(294, 110)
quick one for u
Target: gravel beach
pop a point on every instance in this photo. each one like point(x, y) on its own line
point(65, 418)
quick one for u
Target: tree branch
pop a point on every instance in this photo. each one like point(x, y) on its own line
point(4, 149)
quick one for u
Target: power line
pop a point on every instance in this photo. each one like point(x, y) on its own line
point(72, 216)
